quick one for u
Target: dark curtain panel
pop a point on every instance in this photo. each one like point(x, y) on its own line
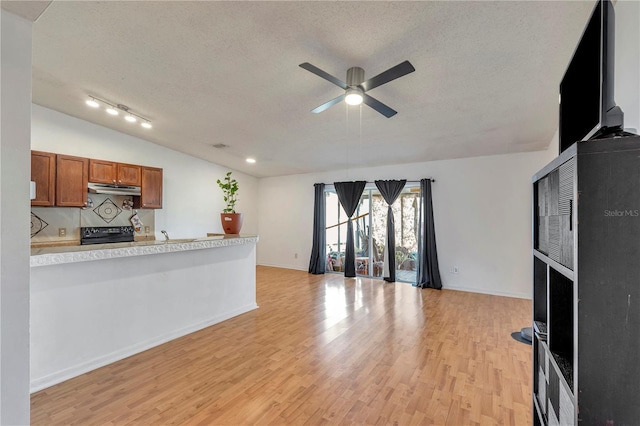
point(318, 255)
point(428, 271)
point(390, 190)
point(349, 195)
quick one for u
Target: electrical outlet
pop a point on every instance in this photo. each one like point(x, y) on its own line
point(295, 256)
point(62, 232)
point(147, 229)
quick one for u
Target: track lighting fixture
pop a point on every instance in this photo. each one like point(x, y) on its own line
point(115, 109)
point(92, 103)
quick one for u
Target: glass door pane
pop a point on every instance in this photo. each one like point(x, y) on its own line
point(361, 227)
point(379, 225)
point(406, 215)
point(336, 233)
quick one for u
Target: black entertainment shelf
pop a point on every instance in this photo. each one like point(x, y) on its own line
point(565, 365)
point(555, 265)
point(585, 272)
point(540, 328)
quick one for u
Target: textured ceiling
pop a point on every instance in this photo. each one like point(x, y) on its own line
point(30, 10)
point(206, 73)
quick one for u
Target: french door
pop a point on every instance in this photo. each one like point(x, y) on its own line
point(369, 229)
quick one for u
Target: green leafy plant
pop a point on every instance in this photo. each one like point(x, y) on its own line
point(229, 188)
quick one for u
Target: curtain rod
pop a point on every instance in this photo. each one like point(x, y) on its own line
point(409, 181)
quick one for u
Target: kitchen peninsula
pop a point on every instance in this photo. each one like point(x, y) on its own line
point(93, 305)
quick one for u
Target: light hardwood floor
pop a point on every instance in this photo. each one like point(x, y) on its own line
point(321, 350)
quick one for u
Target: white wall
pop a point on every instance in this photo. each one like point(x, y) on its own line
point(14, 219)
point(192, 201)
point(482, 213)
point(627, 63)
point(130, 304)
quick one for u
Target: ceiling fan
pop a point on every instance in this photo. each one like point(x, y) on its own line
point(355, 88)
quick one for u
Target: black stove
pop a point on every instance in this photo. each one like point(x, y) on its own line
point(106, 234)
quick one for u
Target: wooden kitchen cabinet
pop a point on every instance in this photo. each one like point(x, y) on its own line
point(110, 172)
point(102, 171)
point(129, 174)
point(151, 189)
point(62, 180)
point(72, 178)
point(43, 173)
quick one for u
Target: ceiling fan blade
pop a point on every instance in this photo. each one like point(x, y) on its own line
point(317, 71)
point(329, 104)
point(391, 74)
point(378, 106)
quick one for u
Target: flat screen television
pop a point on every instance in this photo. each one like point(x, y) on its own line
point(587, 107)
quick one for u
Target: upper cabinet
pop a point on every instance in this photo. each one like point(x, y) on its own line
point(102, 171)
point(109, 172)
point(72, 179)
point(43, 173)
point(129, 174)
point(151, 189)
point(62, 180)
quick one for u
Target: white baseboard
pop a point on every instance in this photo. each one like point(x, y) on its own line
point(517, 295)
point(491, 292)
point(296, 268)
point(40, 383)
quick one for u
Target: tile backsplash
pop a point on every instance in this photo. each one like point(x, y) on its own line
point(104, 210)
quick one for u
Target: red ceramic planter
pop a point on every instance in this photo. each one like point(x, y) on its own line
point(231, 222)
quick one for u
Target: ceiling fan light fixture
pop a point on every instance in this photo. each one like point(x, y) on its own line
point(354, 96)
point(356, 87)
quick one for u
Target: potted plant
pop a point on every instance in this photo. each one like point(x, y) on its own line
point(231, 221)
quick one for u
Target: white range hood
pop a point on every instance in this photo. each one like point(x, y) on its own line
point(102, 188)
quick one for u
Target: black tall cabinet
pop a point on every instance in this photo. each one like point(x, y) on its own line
point(586, 285)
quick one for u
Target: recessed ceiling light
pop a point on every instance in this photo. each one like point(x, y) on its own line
point(146, 125)
point(130, 118)
point(251, 160)
point(112, 111)
point(92, 103)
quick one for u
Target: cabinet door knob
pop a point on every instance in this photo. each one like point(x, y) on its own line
point(114, 181)
point(120, 181)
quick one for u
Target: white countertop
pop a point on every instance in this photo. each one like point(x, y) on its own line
point(71, 254)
